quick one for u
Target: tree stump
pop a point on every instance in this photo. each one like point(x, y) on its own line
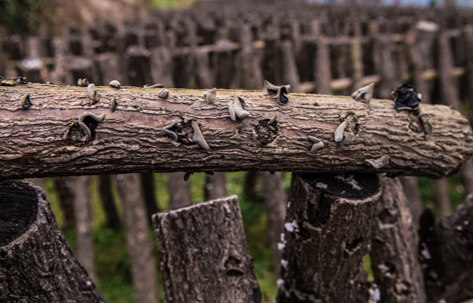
point(394, 251)
point(327, 234)
point(204, 255)
point(36, 263)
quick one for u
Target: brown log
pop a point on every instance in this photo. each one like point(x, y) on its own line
point(204, 255)
point(143, 267)
point(36, 263)
point(394, 261)
point(446, 252)
point(327, 234)
point(46, 140)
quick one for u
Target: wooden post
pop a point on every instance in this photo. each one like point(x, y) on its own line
point(143, 267)
point(394, 252)
point(36, 263)
point(447, 260)
point(83, 214)
point(204, 255)
point(327, 234)
point(108, 202)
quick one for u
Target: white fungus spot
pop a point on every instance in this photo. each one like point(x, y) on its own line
point(294, 223)
point(288, 204)
point(349, 180)
point(321, 185)
point(289, 227)
point(281, 246)
point(284, 263)
point(466, 222)
point(283, 238)
point(459, 228)
point(280, 283)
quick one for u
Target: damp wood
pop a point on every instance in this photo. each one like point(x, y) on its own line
point(47, 140)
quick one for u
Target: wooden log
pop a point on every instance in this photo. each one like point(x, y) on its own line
point(204, 255)
point(274, 198)
point(215, 186)
point(446, 254)
point(83, 213)
point(394, 261)
point(108, 202)
point(147, 185)
point(65, 190)
point(327, 234)
point(36, 263)
point(143, 267)
point(46, 139)
point(179, 191)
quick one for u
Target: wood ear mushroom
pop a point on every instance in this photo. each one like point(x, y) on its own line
point(364, 94)
point(277, 92)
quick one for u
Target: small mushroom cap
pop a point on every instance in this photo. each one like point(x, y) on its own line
point(364, 94)
point(239, 106)
point(163, 93)
point(340, 130)
point(114, 83)
point(231, 110)
point(316, 146)
point(210, 95)
point(153, 86)
point(277, 92)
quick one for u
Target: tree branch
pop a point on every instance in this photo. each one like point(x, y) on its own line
point(47, 140)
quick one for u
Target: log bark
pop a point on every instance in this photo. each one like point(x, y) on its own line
point(36, 263)
point(46, 140)
point(83, 214)
point(446, 253)
point(143, 267)
point(327, 234)
point(204, 255)
point(394, 261)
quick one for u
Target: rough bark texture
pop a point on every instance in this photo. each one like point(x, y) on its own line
point(394, 261)
point(46, 140)
point(447, 254)
point(327, 234)
point(83, 214)
point(204, 255)
point(143, 267)
point(179, 191)
point(108, 202)
point(36, 264)
point(215, 186)
point(274, 197)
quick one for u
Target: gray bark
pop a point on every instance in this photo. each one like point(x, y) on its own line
point(327, 234)
point(36, 263)
point(143, 267)
point(394, 261)
point(204, 255)
point(46, 140)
